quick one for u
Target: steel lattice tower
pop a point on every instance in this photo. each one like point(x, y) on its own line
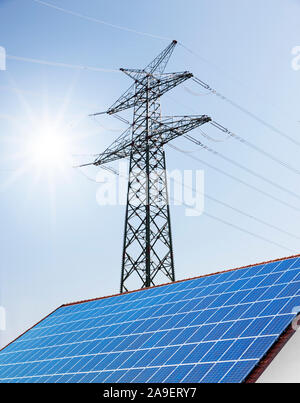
point(148, 249)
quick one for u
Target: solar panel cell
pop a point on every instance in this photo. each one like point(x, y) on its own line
point(236, 329)
point(259, 346)
point(203, 316)
point(163, 357)
point(237, 349)
point(184, 336)
point(145, 375)
point(289, 276)
point(218, 331)
point(288, 264)
point(271, 293)
point(252, 283)
point(293, 306)
point(178, 374)
point(216, 352)
point(161, 374)
point(291, 290)
point(169, 337)
point(254, 310)
point(197, 373)
point(256, 327)
point(181, 354)
point(274, 306)
point(278, 324)
point(237, 312)
point(220, 314)
point(217, 372)
point(238, 372)
point(270, 279)
point(129, 376)
point(255, 294)
point(101, 376)
point(115, 376)
point(268, 268)
point(196, 355)
point(200, 333)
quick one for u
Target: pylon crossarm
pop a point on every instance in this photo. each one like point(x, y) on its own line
point(170, 129)
point(139, 75)
point(166, 130)
point(155, 90)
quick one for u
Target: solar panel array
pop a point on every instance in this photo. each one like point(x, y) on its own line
point(213, 329)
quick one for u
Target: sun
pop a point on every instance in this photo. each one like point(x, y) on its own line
point(48, 149)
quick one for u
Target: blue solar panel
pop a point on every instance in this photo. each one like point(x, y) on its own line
point(211, 329)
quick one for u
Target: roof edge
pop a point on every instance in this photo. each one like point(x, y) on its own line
point(180, 281)
point(26, 331)
point(265, 362)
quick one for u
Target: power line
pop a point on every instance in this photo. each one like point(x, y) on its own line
point(81, 172)
point(248, 232)
point(56, 64)
point(110, 169)
point(105, 168)
point(206, 136)
point(239, 211)
point(105, 127)
point(96, 20)
point(234, 136)
point(244, 110)
point(240, 166)
point(248, 170)
point(254, 147)
point(206, 61)
point(236, 179)
point(220, 219)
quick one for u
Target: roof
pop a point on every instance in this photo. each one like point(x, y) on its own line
point(223, 327)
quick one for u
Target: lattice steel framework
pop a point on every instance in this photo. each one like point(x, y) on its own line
point(148, 249)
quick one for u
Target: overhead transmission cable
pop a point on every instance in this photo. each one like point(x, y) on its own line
point(232, 135)
point(244, 110)
point(263, 192)
point(115, 172)
point(244, 168)
point(57, 64)
point(98, 21)
point(254, 147)
point(239, 211)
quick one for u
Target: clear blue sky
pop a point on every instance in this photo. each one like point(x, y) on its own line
point(62, 248)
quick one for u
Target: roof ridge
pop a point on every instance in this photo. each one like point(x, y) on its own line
point(180, 281)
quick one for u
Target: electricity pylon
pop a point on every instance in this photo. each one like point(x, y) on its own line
point(148, 249)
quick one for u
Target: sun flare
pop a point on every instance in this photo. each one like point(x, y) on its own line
point(48, 149)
